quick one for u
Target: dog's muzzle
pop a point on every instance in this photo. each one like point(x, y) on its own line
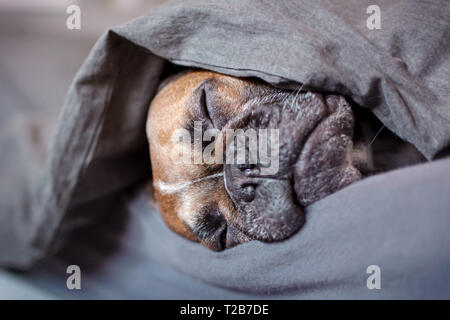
point(314, 160)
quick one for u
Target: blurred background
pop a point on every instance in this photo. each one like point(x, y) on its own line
point(39, 57)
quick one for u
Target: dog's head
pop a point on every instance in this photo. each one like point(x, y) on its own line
point(235, 160)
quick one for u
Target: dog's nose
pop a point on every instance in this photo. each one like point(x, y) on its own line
point(247, 188)
point(268, 205)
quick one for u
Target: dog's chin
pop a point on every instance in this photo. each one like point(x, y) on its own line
point(315, 152)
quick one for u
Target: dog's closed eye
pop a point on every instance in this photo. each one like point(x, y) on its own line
point(208, 103)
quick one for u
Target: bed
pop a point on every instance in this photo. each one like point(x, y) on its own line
point(90, 206)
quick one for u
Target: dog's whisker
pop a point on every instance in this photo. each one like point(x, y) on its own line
point(376, 135)
point(169, 188)
point(286, 97)
point(295, 97)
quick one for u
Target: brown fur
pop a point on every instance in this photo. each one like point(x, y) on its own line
point(168, 111)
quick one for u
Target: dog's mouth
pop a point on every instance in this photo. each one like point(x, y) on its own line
point(314, 147)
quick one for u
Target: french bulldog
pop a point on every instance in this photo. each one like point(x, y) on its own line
point(319, 145)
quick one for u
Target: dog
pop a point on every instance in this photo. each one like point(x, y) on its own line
point(322, 145)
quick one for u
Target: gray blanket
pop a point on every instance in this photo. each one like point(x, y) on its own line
point(133, 254)
point(401, 72)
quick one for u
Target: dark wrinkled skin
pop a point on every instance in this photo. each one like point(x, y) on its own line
point(315, 160)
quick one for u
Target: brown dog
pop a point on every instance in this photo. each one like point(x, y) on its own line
point(225, 203)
